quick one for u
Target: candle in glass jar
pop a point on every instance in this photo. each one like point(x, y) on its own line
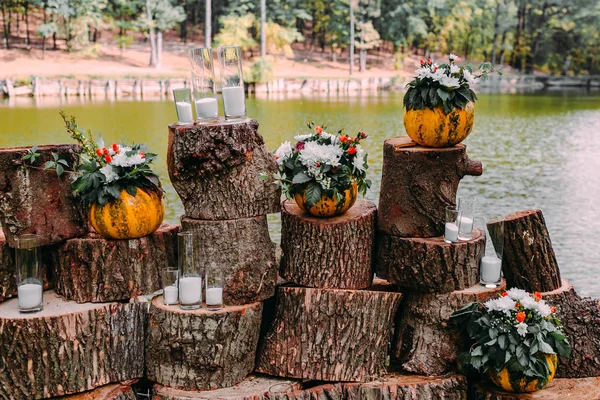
point(30, 295)
point(490, 269)
point(190, 290)
point(184, 112)
point(171, 293)
point(214, 296)
point(207, 108)
point(451, 232)
point(465, 228)
point(234, 101)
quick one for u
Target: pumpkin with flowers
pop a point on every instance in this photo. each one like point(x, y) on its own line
point(323, 172)
point(516, 339)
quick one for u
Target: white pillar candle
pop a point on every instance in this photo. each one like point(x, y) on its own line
point(171, 293)
point(190, 290)
point(490, 269)
point(184, 112)
point(30, 295)
point(234, 101)
point(451, 233)
point(214, 296)
point(465, 228)
point(207, 108)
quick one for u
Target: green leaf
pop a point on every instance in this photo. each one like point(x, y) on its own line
point(301, 178)
point(502, 341)
point(49, 164)
point(63, 162)
point(313, 194)
point(545, 348)
point(59, 170)
point(443, 94)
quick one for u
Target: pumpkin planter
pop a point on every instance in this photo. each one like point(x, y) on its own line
point(128, 217)
point(432, 127)
point(522, 384)
point(328, 206)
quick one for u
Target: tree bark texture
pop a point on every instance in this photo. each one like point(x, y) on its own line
point(115, 391)
point(37, 201)
point(215, 170)
point(417, 184)
point(429, 265)
point(254, 387)
point(423, 342)
point(528, 261)
point(328, 334)
point(243, 248)
point(69, 347)
point(580, 317)
point(201, 349)
point(558, 389)
point(94, 269)
point(328, 252)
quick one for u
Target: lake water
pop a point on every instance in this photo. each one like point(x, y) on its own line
point(539, 150)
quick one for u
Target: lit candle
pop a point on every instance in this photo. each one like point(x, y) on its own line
point(214, 296)
point(190, 290)
point(184, 112)
point(465, 228)
point(30, 295)
point(234, 101)
point(171, 293)
point(490, 269)
point(207, 108)
point(451, 233)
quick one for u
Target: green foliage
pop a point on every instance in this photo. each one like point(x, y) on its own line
point(261, 70)
point(57, 164)
point(47, 30)
point(368, 36)
point(235, 30)
point(31, 155)
point(279, 39)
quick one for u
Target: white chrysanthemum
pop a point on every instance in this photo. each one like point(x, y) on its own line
point(543, 308)
point(469, 77)
point(517, 294)
point(453, 57)
point(109, 173)
point(302, 138)
point(284, 152)
point(423, 72)
point(449, 82)
point(359, 159)
point(529, 303)
point(500, 304)
point(314, 152)
point(522, 328)
point(454, 69)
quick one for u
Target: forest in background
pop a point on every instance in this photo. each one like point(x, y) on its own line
point(549, 36)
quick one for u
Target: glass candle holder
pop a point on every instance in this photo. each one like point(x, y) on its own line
point(183, 105)
point(190, 280)
point(451, 227)
point(170, 281)
point(203, 85)
point(30, 281)
point(490, 267)
point(466, 207)
point(214, 287)
point(232, 82)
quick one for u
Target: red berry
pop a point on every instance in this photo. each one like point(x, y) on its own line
point(115, 147)
point(105, 150)
point(142, 154)
point(107, 158)
point(319, 130)
point(99, 152)
point(318, 164)
point(352, 150)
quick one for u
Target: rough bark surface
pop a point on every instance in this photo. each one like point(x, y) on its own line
point(69, 347)
point(558, 389)
point(215, 170)
point(99, 270)
point(417, 184)
point(423, 342)
point(328, 252)
point(108, 392)
point(429, 265)
point(254, 387)
point(36, 201)
point(201, 349)
point(580, 317)
point(529, 262)
point(328, 334)
point(244, 249)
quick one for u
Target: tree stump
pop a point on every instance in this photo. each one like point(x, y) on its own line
point(430, 265)
point(243, 248)
point(36, 201)
point(69, 347)
point(215, 170)
point(580, 317)
point(328, 334)
point(528, 261)
point(423, 342)
point(254, 387)
point(558, 389)
point(94, 269)
point(328, 252)
point(109, 392)
point(201, 349)
point(417, 184)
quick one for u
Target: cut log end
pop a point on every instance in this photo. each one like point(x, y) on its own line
point(108, 392)
point(558, 389)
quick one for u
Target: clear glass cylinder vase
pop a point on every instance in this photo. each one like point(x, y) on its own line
point(30, 280)
point(203, 85)
point(232, 82)
point(490, 267)
point(183, 105)
point(190, 279)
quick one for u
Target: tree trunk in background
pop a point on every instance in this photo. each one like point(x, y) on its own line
point(152, 37)
point(159, 47)
point(502, 47)
point(363, 60)
point(529, 68)
point(27, 38)
point(496, 26)
point(5, 28)
point(515, 58)
point(566, 65)
point(263, 23)
point(208, 24)
point(351, 37)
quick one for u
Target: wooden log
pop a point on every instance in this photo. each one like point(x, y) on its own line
point(115, 391)
point(36, 201)
point(201, 349)
point(94, 269)
point(528, 261)
point(429, 265)
point(69, 347)
point(243, 248)
point(215, 170)
point(254, 387)
point(558, 389)
point(328, 334)
point(328, 252)
point(417, 184)
point(423, 342)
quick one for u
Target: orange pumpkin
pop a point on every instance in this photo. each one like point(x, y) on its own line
point(523, 385)
point(328, 206)
point(434, 128)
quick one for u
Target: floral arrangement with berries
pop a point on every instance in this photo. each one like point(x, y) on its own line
point(106, 171)
point(515, 331)
point(447, 85)
point(321, 164)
